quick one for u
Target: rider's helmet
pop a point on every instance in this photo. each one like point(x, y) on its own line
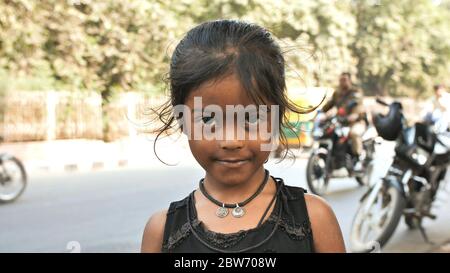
point(389, 126)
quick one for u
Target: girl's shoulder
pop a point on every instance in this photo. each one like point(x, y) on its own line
point(154, 232)
point(323, 222)
point(324, 225)
point(316, 205)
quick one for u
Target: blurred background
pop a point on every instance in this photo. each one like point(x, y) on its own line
point(77, 78)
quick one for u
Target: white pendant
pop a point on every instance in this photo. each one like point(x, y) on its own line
point(238, 212)
point(222, 212)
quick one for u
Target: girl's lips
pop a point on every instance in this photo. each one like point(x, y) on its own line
point(232, 163)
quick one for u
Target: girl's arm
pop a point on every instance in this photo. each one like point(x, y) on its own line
point(153, 234)
point(325, 227)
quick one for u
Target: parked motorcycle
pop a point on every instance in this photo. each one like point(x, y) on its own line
point(332, 156)
point(410, 185)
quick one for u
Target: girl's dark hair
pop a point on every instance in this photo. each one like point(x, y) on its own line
point(215, 49)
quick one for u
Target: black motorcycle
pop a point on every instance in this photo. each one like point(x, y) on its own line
point(410, 185)
point(332, 153)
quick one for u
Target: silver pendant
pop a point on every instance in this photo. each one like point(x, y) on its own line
point(222, 212)
point(238, 212)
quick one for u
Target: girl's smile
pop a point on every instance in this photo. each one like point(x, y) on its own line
point(232, 162)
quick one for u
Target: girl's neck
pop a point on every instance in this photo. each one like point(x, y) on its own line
point(234, 193)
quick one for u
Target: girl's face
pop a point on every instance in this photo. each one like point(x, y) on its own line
point(229, 158)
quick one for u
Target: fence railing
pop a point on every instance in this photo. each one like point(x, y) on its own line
point(30, 116)
point(49, 115)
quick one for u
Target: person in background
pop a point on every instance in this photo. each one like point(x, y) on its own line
point(348, 100)
point(438, 111)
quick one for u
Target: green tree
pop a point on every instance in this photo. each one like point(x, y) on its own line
point(107, 46)
point(315, 34)
point(401, 48)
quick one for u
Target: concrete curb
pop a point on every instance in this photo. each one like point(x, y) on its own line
point(79, 154)
point(73, 155)
point(58, 167)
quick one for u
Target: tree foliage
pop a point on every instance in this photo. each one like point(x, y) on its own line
point(393, 47)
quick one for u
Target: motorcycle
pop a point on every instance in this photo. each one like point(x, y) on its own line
point(13, 178)
point(410, 185)
point(332, 156)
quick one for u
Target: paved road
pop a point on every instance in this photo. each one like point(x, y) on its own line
point(105, 211)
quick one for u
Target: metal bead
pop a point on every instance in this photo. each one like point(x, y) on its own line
point(222, 212)
point(238, 212)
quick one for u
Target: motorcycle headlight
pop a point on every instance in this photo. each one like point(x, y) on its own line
point(420, 156)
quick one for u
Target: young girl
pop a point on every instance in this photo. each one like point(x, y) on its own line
point(239, 206)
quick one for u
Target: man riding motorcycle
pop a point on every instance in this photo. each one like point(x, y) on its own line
point(342, 148)
point(348, 98)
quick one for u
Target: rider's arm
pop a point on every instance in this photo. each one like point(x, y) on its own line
point(358, 112)
point(330, 103)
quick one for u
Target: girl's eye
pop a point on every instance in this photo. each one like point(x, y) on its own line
point(251, 118)
point(208, 120)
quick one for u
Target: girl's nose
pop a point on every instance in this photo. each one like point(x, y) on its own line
point(232, 144)
point(233, 136)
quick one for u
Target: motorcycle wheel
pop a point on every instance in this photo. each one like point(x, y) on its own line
point(13, 179)
point(376, 218)
point(316, 173)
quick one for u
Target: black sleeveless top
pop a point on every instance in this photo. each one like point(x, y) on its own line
point(287, 229)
